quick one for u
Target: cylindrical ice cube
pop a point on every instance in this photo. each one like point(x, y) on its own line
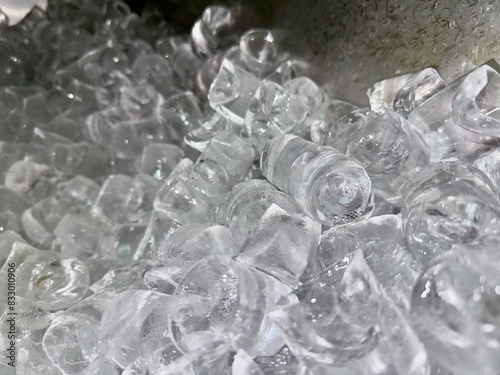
point(327, 185)
point(447, 203)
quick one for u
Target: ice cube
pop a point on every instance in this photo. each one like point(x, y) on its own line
point(71, 342)
point(124, 199)
point(281, 243)
point(212, 32)
point(31, 180)
point(417, 90)
point(7, 240)
point(296, 166)
point(227, 295)
point(453, 308)
point(122, 278)
point(247, 203)
point(447, 203)
point(326, 116)
point(232, 91)
point(121, 327)
point(155, 70)
point(446, 122)
point(476, 103)
point(260, 51)
point(159, 160)
point(272, 111)
point(51, 280)
point(81, 235)
point(338, 319)
point(139, 101)
point(33, 360)
point(211, 125)
point(383, 93)
point(307, 90)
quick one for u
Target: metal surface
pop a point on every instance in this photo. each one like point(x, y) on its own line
point(351, 44)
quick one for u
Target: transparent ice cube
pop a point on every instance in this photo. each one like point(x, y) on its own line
point(232, 91)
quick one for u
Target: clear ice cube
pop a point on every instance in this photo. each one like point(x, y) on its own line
point(260, 51)
point(454, 308)
point(159, 160)
point(417, 90)
point(327, 185)
point(51, 280)
point(71, 342)
point(212, 31)
point(247, 203)
point(447, 203)
point(121, 327)
point(124, 199)
point(281, 243)
point(272, 111)
point(232, 91)
point(227, 295)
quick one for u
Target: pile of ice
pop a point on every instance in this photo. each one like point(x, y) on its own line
point(194, 204)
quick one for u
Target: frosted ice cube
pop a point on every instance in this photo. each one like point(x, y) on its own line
point(383, 93)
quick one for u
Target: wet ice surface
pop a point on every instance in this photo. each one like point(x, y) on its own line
point(195, 204)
